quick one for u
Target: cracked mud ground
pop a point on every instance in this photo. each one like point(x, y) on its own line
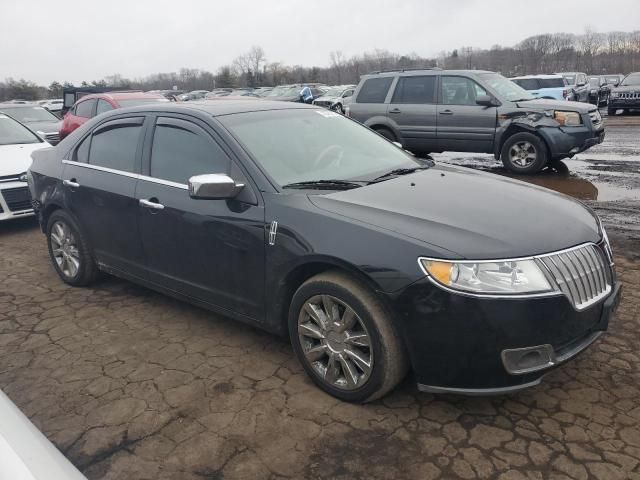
point(131, 384)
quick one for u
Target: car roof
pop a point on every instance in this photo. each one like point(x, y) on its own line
point(19, 105)
point(216, 108)
point(434, 71)
point(541, 75)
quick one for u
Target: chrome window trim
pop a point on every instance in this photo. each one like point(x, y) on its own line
point(518, 296)
point(137, 176)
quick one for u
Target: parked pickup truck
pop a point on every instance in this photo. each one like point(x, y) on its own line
point(474, 111)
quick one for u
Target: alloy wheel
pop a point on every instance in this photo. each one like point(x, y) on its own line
point(522, 154)
point(64, 249)
point(335, 342)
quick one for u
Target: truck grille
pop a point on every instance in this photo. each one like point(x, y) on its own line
point(582, 274)
point(52, 138)
point(17, 198)
point(632, 95)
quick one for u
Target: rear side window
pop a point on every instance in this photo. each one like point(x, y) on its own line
point(181, 150)
point(115, 145)
point(528, 83)
point(460, 91)
point(552, 82)
point(415, 90)
point(103, 106)
point(85, 109)
point(374, 90)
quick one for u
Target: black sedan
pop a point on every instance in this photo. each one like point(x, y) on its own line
point(303, 222)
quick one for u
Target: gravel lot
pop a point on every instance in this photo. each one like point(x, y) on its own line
point(130, 384)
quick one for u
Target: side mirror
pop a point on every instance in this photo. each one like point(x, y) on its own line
point(216, 186)
point(485, 101)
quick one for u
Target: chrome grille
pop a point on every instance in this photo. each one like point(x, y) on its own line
point(629, 95)
point(582, 274)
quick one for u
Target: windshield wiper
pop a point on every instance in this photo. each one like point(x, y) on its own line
point(326, 184)
point(397, 172)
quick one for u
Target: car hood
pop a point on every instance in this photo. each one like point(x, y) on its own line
point(473, 214)
point(15, 159)
point(294, 98)
point(326, 98)
point(46, 127)
point(544, 104)
point(627, 88)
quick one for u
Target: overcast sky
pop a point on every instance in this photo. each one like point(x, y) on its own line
point(74, 40)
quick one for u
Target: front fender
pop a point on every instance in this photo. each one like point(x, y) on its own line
point(522, 120)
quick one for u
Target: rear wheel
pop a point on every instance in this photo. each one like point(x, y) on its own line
point(386, 133)
point(611, 111)
point(345, 338)
point(69, 250)
point(524, 153)
point(338, 108)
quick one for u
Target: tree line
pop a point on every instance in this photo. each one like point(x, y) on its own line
point(592, 52)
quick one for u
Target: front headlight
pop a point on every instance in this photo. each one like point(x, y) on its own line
point(568, 119)
point(488, 277)
point(615, 94)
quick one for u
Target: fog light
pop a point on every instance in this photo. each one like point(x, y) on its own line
point(518, 361)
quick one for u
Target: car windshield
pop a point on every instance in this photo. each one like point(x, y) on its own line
point(132, 102)
point(571, 79)
point(30, 114)
point(613, 80)
point(12, 133)
point(505, 88)
point(334, 92)
point(594, 81)
point(309, 145)
point(284, 92)
point(633, 79)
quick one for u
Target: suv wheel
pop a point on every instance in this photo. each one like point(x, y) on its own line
point(611, 111)
point(338, 108)
point(386, 133)
point(69, 250)
point(524, 153)
point(345, 339)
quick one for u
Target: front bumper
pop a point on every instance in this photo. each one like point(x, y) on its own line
point(15, 201)
point(631, 103)
point(456, 343)
point(568, 141)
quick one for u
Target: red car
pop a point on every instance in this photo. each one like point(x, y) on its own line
point(95, 104)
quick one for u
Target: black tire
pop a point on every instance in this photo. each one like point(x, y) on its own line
point(86, 272)
point(388, 357)
point(535, 147)
point(386, 133)
point(611, 111)
point(338, 108)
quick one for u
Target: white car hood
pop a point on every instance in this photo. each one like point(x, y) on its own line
point(25, 453)
point(16, 159)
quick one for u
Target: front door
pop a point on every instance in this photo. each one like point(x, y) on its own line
point(413, 109)
point(100, 180)
point(463, 125)
point(209, 250)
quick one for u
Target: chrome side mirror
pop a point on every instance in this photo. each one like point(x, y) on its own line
point(215, 186)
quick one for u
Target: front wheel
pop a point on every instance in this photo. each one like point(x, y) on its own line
point(524, 153)
point(345, 339)
point(338, 108)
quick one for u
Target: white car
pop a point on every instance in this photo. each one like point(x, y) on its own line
point(52, 105)
point(25, 453)
point(16, 144)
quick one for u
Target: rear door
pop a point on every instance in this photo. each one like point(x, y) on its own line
point(209, 250)
point(463, 125)
point(413, 110)
point(100, 180)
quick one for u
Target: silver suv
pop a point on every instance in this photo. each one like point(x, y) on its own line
point(474, 111)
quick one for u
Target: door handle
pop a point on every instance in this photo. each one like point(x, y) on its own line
point(152, 205)
point(395, 110)
point(446, 112)
point(71, 183)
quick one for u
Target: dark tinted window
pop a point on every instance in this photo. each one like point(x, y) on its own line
point(103, 106)
point(115, 147)
point(82, 152)
point(178, 153)
point(415, 90)
point(527, 83)
point(552, 82)
point(374, 90)
point(84, 109)
point(460, 91)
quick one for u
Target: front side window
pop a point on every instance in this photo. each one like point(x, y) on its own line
point(181, 150)
point(415, 90)
point(461, 91)
point(115, 146)
point(374, 90)
point(85, 109)
point(309, 145)
point(103, 106)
